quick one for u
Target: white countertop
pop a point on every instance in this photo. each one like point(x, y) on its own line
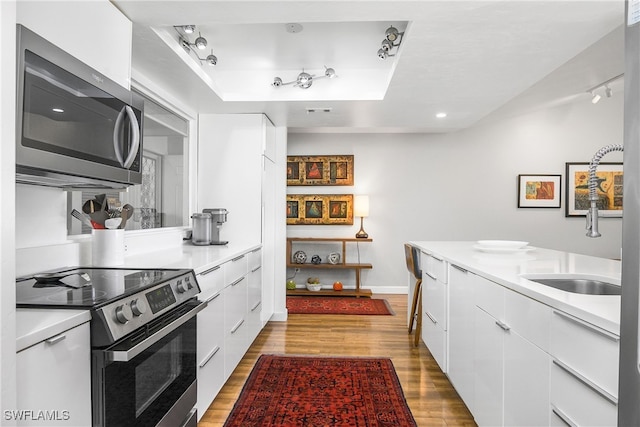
point(507, 269)
point(36, 325)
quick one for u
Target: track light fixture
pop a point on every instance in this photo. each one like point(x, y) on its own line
point(392, 39)
point(199, 44)
point(304, 79)
point(608, 92)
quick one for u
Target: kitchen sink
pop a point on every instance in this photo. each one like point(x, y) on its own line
point(578, 285)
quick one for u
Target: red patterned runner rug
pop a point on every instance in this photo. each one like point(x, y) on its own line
point(337, 305)
point(301, 391)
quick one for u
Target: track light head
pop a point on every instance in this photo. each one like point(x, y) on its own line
point(211, 59)
point(386, 45)
point(595, 98)
point(329, 72)
point(305, 80)
point(277, 82)
point(392, 34)
point(382, 54)
point(201, 42)
point(607, 91)
point(189, 29)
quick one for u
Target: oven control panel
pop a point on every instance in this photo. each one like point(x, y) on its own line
point(125, 315)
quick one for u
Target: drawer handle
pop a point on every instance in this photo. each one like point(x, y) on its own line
point(209, 356)
point(211, 270)
point(564, 417)
point(503, 325)
point(56, 339)
point(586, 381)
point(256, 306)
point(459, 268)
point(586, 325)
point(429, 275)
point(238, 281)
point(235, 328)
point(211, 298)
point(238, 258)
point(436, 258)
point(256, 269)
point(435, 322)
point(255, 250)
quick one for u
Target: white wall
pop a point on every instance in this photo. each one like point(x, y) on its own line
point(463, 186)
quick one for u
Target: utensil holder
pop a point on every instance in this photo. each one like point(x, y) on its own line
point(107, 248)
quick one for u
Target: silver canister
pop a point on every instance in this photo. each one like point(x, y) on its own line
point(201, 233)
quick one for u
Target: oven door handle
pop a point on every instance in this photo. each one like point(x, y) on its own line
point(128, 355)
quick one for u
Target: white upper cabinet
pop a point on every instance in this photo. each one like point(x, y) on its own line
point(95, 32)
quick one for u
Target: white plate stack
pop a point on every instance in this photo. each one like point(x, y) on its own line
point(502, 246)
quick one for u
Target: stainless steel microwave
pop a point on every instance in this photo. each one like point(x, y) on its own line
point(76, 128)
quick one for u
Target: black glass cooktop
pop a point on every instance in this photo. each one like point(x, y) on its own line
point(89, 287)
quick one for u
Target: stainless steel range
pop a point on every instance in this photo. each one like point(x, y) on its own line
point(143, 338)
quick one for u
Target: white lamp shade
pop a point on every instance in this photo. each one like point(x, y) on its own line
point(361, 206)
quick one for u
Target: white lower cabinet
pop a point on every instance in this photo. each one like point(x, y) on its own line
point(584, 373)
point(461, 332)
point(254, 296)
point(434, 308)
point(54, 381)
point(235, 324)
point(210, 354)
point(511, 372)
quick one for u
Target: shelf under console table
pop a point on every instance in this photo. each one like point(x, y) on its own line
point(356, 267)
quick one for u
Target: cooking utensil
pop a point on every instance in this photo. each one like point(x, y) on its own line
point(127, 212)
point(89, 206)
point(99, 217)
point(113, 223)
point(74, 280)
point(83, 218)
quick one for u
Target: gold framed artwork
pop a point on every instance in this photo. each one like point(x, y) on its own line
point(539, 191)
point(319, 209)
point(609, 181)
point(320, 170)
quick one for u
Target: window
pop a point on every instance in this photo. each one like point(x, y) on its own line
point(160, 200)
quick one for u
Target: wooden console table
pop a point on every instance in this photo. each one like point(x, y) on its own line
point(357, 267)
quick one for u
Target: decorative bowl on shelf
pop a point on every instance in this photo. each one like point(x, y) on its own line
point(314, 286)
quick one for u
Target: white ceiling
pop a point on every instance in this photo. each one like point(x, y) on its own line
point(466, 58)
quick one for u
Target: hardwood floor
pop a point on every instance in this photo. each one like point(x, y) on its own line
point(432, 399)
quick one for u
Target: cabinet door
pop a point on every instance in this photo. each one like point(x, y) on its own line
point(210, 351)
point(526, 382)
point(460, 368)
point(235, 318)
point(254, 300)
point(55, 375)
point(488, 386)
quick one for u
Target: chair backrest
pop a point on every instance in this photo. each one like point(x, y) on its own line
point(412, 256)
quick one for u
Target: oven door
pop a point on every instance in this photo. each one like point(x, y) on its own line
point(149, 377)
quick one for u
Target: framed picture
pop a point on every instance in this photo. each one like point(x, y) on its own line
point(539, 191)
point(609, 179)
point(319, 209)
point(320, 170)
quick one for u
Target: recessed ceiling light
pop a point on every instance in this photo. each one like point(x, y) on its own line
point(57, 110)
point(441, 115)
point(293, 27)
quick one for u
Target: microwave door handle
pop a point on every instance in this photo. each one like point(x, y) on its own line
point(116, 139)
point(135, 138)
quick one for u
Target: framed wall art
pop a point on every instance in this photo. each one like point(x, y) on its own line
point(609, 179)
point(319, 209)
point(320, 170)
point(539, 191)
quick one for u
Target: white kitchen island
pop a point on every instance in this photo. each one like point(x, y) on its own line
point(519, 352)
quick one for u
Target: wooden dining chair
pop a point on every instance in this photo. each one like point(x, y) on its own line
point(412, 256)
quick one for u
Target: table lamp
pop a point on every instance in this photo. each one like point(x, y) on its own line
point(361, 209)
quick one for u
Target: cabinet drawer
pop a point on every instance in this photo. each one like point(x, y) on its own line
point(577, 403)
point(235, 303)
point(235, 269)
point(434, 267)
point(254, 259)
point(434, 302)
point(587, 349)
point(211, 281)
point(530, 318)
point(211, 327)
point(489, 296)
point(435, 338)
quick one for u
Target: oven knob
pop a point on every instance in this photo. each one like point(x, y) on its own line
point(123, 313)
point(138, 307)
point(182, 287)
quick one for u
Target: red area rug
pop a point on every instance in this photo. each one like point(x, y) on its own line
point(337, 305)
point(297, 391)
